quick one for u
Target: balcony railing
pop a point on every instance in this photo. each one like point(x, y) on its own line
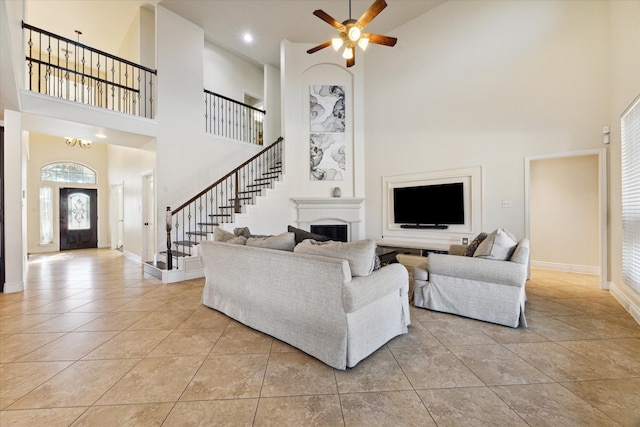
point(70, 70)
point(232, 119)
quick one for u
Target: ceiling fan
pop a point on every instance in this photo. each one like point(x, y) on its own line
point(351, 32)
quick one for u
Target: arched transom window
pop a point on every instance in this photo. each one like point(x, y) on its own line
point(68, 172)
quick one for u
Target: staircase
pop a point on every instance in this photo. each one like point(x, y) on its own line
point(195, 220)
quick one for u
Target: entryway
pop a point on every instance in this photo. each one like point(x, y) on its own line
point(78, 218)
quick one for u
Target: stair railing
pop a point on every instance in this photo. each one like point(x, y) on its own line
point(69, 70)
point(195, 219)
point(232, 119)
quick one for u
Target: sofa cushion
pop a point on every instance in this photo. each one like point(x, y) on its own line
point(498, 245)
point(222, 235)
point(473, 246)
point(360, 254)
point(284, 241)
point(301, 235)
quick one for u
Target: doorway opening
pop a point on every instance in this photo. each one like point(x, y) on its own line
point(566, 208)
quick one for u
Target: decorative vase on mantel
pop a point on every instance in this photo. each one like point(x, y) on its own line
point(337, 192)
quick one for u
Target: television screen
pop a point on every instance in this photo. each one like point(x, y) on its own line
point(440, 204)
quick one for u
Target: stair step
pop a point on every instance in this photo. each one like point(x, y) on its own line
point(157, 264)
point(250, 192)
point(270, 179)
point(175, 254)
point(208, 224)
point(188, 243)
point(196, 233)
point(221, 215)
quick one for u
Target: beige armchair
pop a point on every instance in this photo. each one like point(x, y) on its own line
point(480, 288)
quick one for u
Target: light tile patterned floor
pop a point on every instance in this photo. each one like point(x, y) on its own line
point(93, 341)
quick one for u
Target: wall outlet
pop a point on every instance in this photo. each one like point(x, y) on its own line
point(465, 240)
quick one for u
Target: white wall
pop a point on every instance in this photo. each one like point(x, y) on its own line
point(229, 75)
point(15, 232)
point(188, 159)
point(126, 167)
point(46, 149)
point(486, 84)
point(564, 214)
point(272, 104)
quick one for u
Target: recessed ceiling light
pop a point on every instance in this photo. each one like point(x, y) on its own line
point(100, 135)
point(248, 38)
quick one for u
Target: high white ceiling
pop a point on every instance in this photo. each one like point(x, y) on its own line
point(104, 23)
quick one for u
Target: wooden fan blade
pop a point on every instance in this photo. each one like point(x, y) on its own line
point(320, 47)
point(385, 40)
point(329, 20)
point(372, 12)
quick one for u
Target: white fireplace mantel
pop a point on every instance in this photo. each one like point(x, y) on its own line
point(331, 210)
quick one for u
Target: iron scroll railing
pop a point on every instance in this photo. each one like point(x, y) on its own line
point(67, 69)
point(232, 119)
point(195, 219)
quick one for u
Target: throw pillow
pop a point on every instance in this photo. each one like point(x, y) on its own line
point(471, 249)
point(360, 254)
point(242, 231)
point(498, 245)
point(284, 242)
point(222, 235)
point(301, 235)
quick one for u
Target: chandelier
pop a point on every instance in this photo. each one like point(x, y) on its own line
point(82, 143)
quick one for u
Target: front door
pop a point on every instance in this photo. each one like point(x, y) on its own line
point(78, 218)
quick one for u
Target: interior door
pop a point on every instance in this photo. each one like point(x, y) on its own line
point(78, 218)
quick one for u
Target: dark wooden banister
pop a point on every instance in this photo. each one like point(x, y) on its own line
point(234, 101)
point(75, 43)
point(233, 172)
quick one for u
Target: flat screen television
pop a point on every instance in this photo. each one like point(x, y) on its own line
point(429, 206)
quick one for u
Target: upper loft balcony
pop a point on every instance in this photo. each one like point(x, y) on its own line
point(69, 70)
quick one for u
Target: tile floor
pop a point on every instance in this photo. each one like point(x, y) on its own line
point(93, 341)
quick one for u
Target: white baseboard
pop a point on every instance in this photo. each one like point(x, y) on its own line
point(13, 287)
point(628, 298)
point(132, 257)
point(571, 268)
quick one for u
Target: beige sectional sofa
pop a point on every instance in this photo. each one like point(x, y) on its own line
point(313, 302)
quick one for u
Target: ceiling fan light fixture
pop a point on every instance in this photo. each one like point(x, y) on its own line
point(337, 43)
point(351, 32)
point(363, 42)
point(354, 33)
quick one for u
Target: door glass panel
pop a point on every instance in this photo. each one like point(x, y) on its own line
point(79, 210)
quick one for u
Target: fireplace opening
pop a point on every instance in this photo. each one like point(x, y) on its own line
point(337, 232)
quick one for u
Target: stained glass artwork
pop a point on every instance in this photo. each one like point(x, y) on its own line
point(79, 208)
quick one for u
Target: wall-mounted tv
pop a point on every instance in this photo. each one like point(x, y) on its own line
point(429, 206)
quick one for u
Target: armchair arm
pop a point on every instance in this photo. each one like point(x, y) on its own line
point(362, 291)
point(478, 269)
